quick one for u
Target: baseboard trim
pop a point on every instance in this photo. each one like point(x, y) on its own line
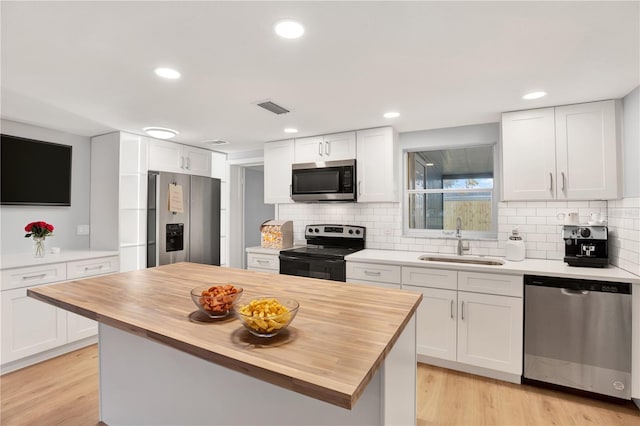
point(43, 356)
point(471, 369)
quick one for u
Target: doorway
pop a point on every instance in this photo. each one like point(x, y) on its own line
point(247, 210)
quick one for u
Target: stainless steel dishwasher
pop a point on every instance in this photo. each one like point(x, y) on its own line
point(577, 333)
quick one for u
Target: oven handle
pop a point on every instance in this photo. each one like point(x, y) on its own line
point(310, 259)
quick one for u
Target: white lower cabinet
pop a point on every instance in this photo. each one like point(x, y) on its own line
point(263, 262)
point(29, 326)
point(369, 272)
point(490, 331)
point(437, 322)
point(478, 328)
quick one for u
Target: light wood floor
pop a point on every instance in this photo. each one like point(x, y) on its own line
point(64, 391)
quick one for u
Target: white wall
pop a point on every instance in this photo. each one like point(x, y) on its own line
point(65, 219)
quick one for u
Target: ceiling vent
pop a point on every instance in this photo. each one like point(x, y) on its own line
point(273, 107)
point(217, 142)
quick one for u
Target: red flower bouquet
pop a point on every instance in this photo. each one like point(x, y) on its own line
point(38, 230)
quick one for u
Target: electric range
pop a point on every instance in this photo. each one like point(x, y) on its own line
point(323, 256)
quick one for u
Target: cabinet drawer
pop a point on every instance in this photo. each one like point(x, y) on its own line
point(91, 267)
point(33, 275)
point(263, 261)
point(505, 285)
point(374, 272)
point(434, 278)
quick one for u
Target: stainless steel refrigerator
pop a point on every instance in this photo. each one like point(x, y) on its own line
point(183, 219)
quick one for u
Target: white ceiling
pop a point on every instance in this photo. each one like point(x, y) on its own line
point(87, 67)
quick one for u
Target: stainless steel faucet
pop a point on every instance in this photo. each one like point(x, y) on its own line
point(459, 236)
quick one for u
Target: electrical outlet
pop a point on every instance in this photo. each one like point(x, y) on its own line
point(83, 230)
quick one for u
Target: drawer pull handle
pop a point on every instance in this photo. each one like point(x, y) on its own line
point(375, 274)
point(34, 277)
point(262, 261)
point(93, 268)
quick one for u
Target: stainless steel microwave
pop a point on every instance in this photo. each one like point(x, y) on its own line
point(324, 181)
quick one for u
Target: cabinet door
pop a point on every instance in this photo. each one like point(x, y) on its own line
point(278, 157)
point(436, 326)
point(528, 155)
point(309, 150)
point(197, 161)
point(79, 327)
point(587, 151)
point(490, 331)
point(165, 156)
point(340, 146)
point(376, 165)
point(29, 326)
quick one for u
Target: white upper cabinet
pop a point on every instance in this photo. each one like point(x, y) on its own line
point(218, 165)
point(529, 154)
point(587, 151)
point(377, 165)
point(278, 157)
point(167, 156)
point(335, 147)
point(565, 153)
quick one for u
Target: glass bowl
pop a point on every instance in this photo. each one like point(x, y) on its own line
point(277, 314)
point(216, 300)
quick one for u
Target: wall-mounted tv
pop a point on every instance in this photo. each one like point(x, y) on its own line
point(34, 173)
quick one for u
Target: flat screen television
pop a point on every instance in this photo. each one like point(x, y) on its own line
point(34, 173)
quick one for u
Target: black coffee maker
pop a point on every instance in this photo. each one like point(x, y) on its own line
point(586, 245)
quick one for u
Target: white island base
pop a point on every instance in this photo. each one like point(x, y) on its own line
point(143, 382)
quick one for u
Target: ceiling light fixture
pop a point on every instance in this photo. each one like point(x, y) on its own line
point(289, 29)
point(160, 132)
point(429, 164)
point(290, 130)
point(391, 114)
point(534, 95)
point(167, 73)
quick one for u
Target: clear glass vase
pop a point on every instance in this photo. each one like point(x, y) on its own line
point(38, 246)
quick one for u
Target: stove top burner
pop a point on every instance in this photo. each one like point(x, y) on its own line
point(322, 251)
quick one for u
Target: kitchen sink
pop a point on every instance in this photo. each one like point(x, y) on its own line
point(474, 260)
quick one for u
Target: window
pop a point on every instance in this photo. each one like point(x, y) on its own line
point(442, 185)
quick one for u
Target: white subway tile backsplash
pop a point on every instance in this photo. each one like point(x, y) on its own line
point(536, 220)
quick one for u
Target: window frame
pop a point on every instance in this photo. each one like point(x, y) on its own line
point(441, 233)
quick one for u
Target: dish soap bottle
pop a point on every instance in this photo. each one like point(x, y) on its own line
point(515, 247)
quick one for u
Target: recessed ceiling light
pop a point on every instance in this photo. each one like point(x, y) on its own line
point(534, 95)
point(429, 164)
point(168, 73)
point(290, 130)
point(289, 29)
point(160, 132)
point(391, 114)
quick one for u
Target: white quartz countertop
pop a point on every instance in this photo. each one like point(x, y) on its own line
point(26, 259)
point(555, 268)
point(262, 250)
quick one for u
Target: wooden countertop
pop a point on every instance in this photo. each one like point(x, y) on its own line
point(330, 351)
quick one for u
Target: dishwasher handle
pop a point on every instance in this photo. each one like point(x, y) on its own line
point(572, 292)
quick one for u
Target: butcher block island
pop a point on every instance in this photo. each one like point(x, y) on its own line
point(348, 357)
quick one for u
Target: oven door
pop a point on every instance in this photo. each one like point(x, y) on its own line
point(313, 267)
